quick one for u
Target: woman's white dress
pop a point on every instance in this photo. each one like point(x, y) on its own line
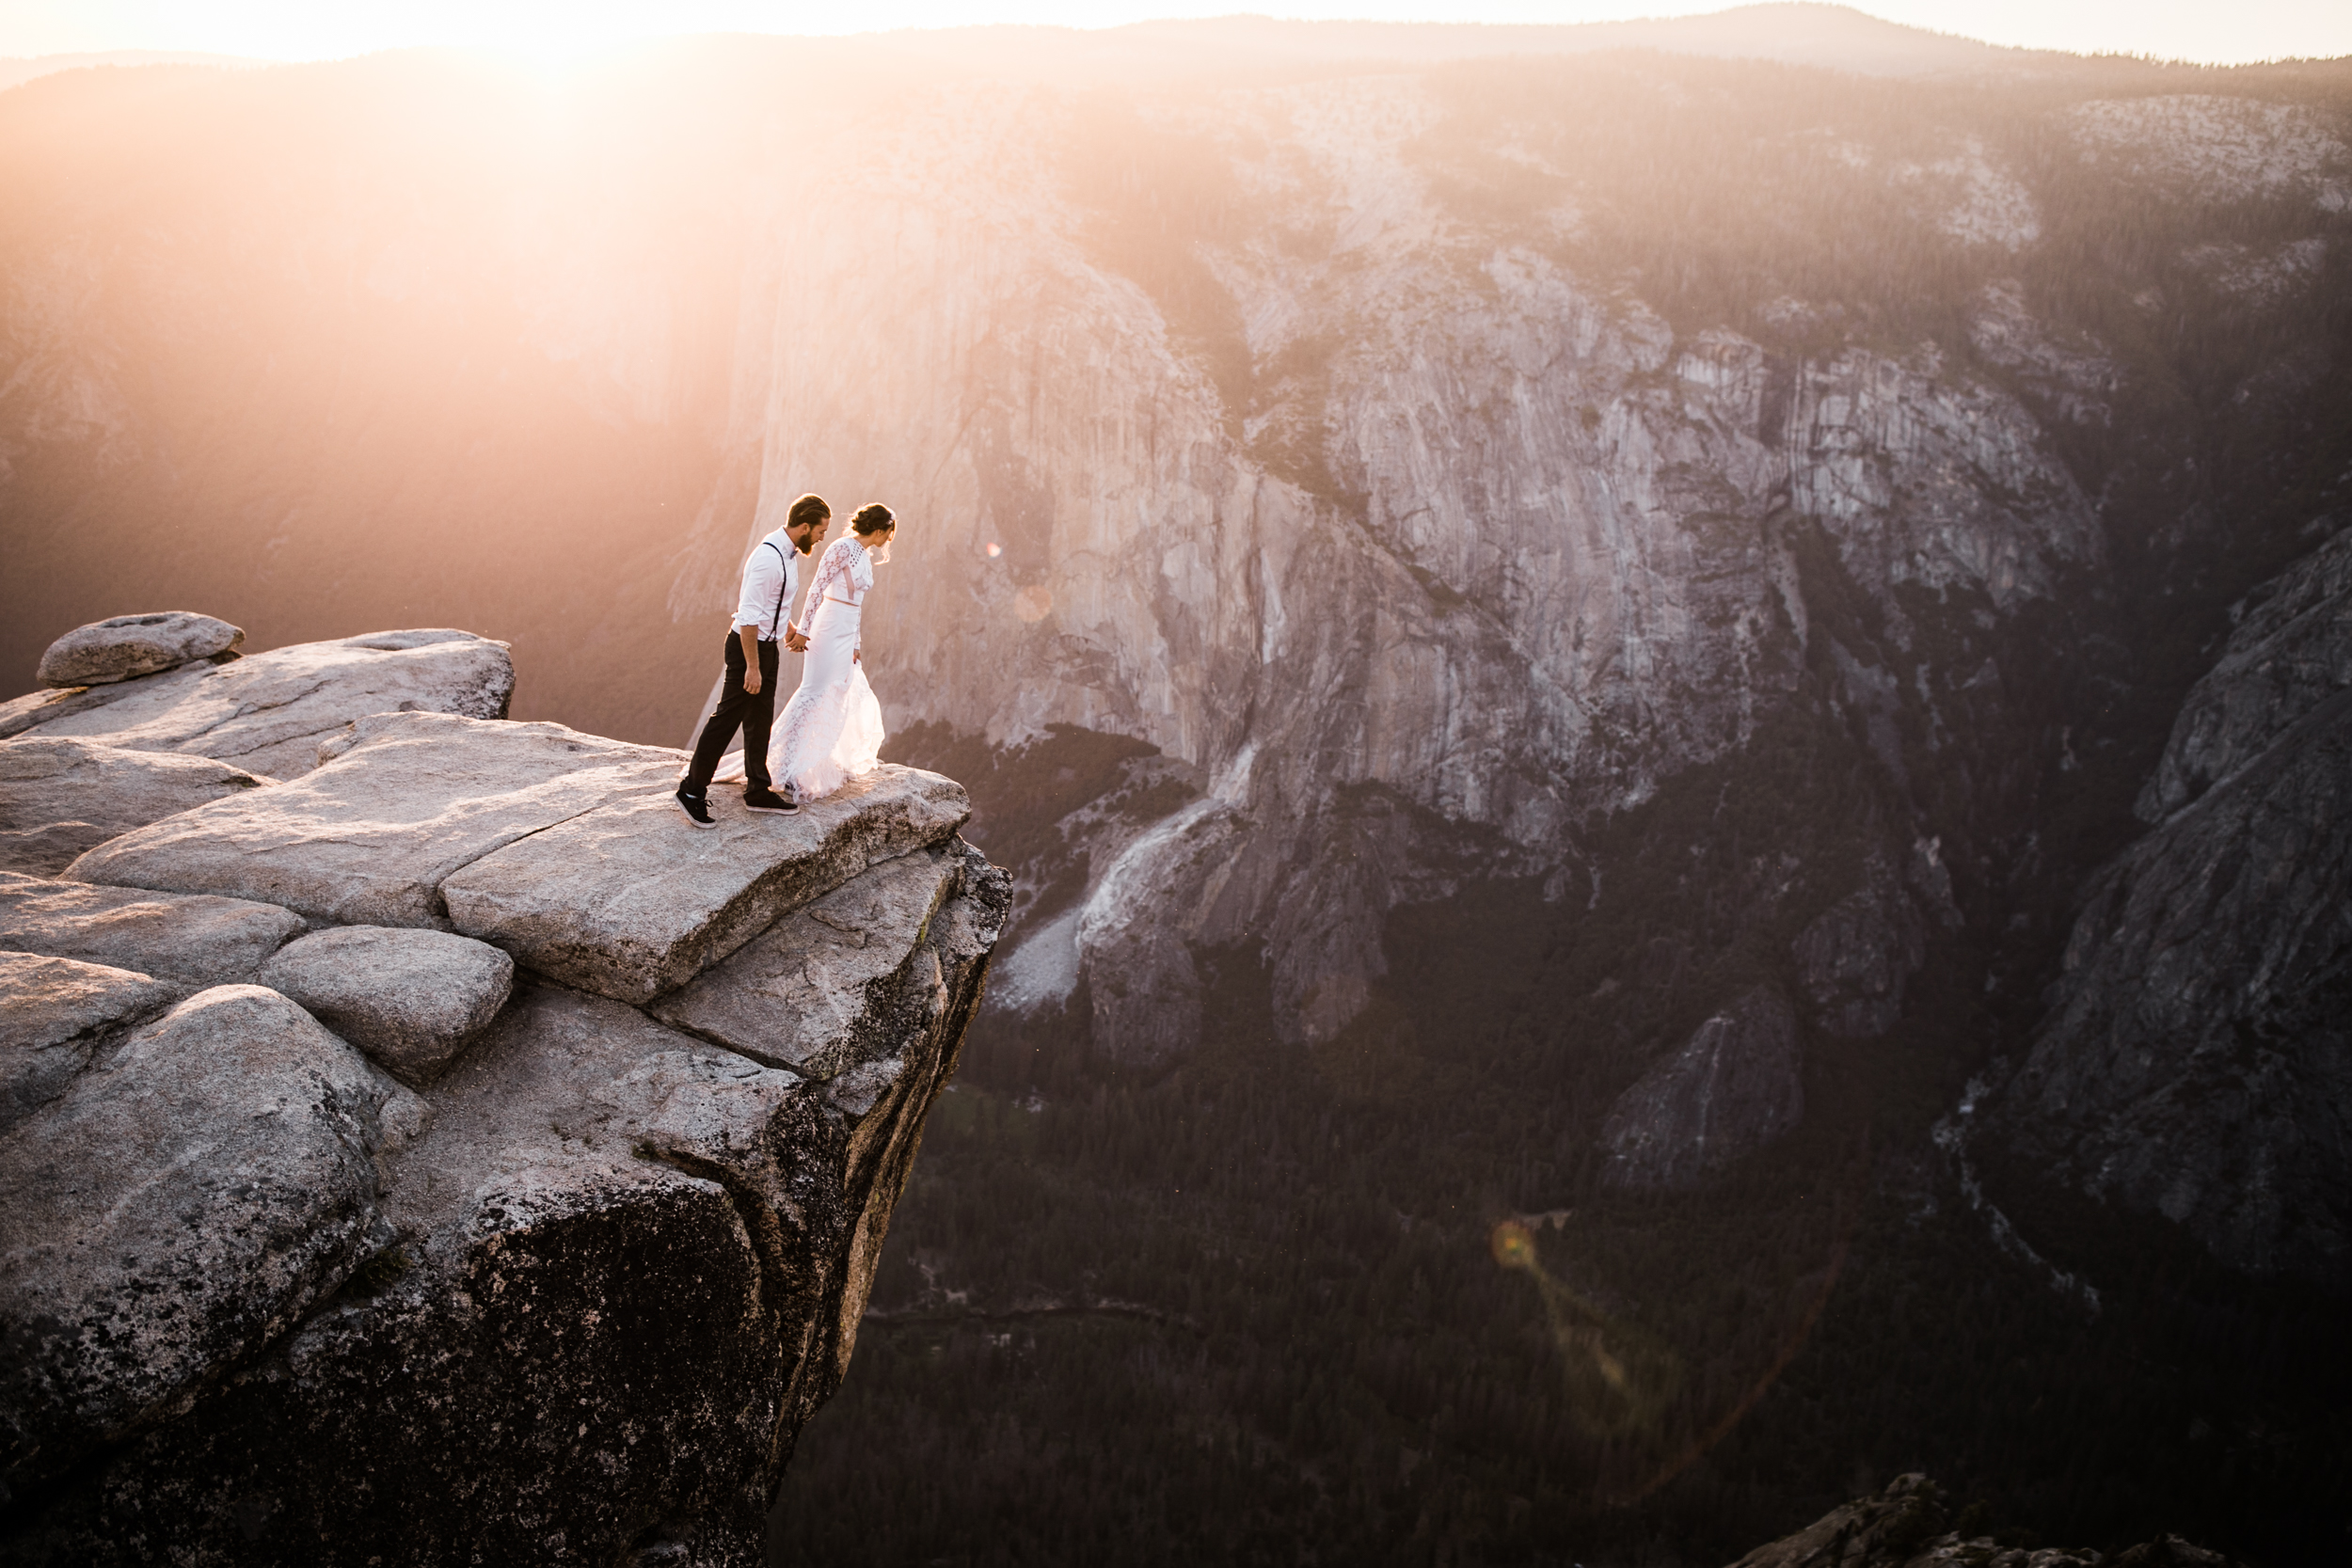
point(831, 730)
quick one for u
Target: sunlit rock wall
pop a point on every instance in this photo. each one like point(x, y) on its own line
point(1471, 533)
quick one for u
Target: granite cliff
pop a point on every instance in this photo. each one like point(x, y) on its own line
point(443, 1149)
point(2197, 1060)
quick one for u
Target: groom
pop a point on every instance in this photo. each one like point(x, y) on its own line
point(771, 577)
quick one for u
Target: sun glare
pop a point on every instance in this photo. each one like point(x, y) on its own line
point(550, 48)
point(555, 41)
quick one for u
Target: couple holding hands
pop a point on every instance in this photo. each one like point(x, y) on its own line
point(832, 728)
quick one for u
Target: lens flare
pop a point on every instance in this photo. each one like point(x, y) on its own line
point(1514, 1247)
point(1033, 602)
point(1621, 1377)
point(994, 549)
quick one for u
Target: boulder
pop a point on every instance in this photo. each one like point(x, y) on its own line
point(630, 900)
point(60, 796)
point(171, 1212)
point(812, 990)
point(127, 646)
point(268, 712)
point(204, 940)
point(1736, 1085)
point(411, 1000)
point(54, 1013)
point(367, 839)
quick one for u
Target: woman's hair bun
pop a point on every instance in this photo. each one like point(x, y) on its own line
point(872, 518)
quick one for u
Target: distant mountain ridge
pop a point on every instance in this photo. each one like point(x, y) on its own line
point(25, 68)
point(1796, 32)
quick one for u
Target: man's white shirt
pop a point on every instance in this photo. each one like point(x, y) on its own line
point(772, 580)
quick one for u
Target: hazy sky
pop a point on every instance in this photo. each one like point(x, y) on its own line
point(2210, 30)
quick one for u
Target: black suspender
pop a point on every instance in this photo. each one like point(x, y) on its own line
point(784, 590)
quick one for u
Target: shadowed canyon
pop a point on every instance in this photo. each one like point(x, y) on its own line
point(1669, 708)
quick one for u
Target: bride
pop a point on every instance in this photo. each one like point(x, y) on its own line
point(831, 730)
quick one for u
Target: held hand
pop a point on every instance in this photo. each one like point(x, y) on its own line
point(795, 641)
point(751, 682)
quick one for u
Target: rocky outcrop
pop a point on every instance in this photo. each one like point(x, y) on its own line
point(1735, 1086)
point(1910, 1524)
point(128, 646)
point(1854, 960)
point(431, 1245)
point(413, 799)
point(270, 713)
point(54, 1014)
point(411, 1000)
point(2289, 654)
point(171, 1212)
point(59, 798)
point(2197, 1060)
point(190, 936)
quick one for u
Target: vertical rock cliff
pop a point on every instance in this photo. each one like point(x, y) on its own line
point(2198, 1059)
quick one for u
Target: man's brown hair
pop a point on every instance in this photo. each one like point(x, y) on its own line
point(808, 509)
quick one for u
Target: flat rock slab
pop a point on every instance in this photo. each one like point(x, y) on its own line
point(564, 1083)
point(367, 839)
point(268, 712)
point(56, 792)
point(205, 940)
point(410, 999)
point(631, 900)
point(126, 646)
point(35, 708)
point(54, 1012)
point(820, 989)
point(177, 1207)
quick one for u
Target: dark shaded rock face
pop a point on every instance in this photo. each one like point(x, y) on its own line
point(1910, 1524)
point(2197, 1063)
point(571, 1298)
point(1855, 958)
point(1736, 1085)
point(173, 1212)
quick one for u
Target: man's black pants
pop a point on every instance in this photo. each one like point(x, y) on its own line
point(757, 715)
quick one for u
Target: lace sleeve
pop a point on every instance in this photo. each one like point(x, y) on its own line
point(829, 571)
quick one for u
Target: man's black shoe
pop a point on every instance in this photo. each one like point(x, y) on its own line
point(756, 799)
point(697, 810)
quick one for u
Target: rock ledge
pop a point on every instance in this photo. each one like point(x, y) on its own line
point(448, 1153)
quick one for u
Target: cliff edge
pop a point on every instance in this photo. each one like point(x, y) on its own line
point(443, 1152)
